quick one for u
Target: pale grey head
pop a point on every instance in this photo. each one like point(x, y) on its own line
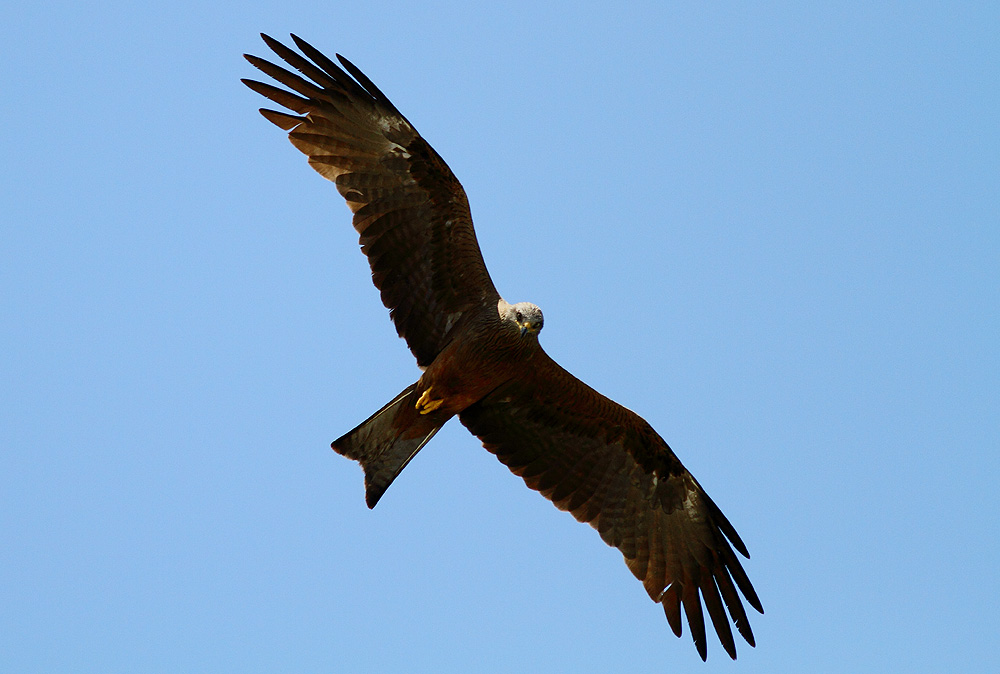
point(525, 316)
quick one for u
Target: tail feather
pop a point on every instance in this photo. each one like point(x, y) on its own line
point(385, 442)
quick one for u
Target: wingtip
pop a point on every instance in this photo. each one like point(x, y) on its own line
point(255, 61)
point(300, 43)
point(353, 69)
point(268, 40)
point(281, 119)
point(274, 45)
point(256, 85)
point(372, 496)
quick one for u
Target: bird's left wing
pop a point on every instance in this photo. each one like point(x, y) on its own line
point(608, 467)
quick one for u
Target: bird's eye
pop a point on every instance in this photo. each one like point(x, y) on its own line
point(520, 318)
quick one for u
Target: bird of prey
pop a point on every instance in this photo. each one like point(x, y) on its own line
point(481, 359)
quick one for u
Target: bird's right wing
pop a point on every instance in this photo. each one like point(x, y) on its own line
point(608, 467)
point(410, 210)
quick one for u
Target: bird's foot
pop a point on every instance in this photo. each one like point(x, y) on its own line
point(424, 403)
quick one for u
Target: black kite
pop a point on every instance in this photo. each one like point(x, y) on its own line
point(481, 358)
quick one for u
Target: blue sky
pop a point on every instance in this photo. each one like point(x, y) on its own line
point(772, 231)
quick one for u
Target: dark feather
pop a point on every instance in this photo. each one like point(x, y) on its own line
point(696, 619)
point(593, 457)
point(671, 603)
point(713, 602)
point(410, 210)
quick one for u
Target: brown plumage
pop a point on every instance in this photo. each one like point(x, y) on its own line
point(482, 360)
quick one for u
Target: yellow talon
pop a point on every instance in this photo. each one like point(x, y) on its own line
point(424, 403)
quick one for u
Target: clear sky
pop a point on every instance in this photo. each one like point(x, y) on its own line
point(774, 232)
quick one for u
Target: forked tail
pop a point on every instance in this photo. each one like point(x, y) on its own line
point(387, 440)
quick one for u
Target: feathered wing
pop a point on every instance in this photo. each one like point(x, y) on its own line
point(609, 468)
point(410, 210)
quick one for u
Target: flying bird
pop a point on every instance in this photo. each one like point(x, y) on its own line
point(481, 359)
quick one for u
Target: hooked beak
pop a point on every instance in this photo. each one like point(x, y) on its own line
point(524, 329)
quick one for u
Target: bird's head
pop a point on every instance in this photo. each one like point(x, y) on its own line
point(525, 315)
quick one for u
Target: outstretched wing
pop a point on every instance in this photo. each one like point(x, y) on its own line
point(609, 468)
point(410, 210)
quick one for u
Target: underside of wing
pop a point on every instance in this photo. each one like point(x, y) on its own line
point(609, 468)
point(409, 209)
